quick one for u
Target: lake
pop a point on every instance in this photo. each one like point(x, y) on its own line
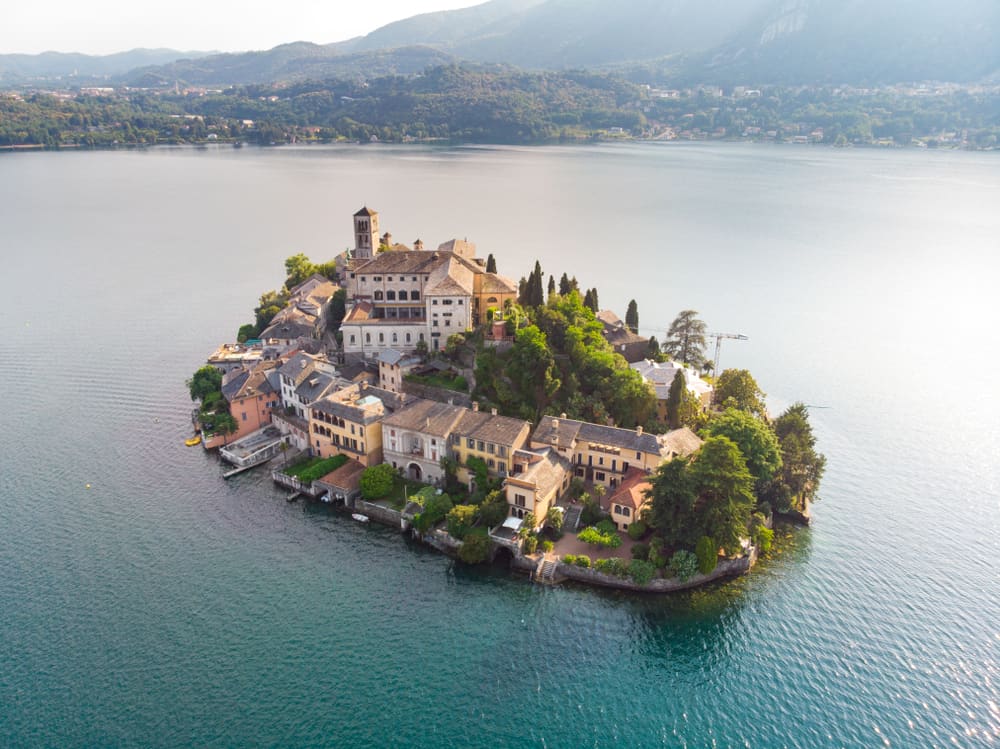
point(146, 602)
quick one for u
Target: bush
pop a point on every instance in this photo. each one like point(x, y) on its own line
point(569, 559)
point(683, 564)
point(554, 519)
point(637, 530)
point(640, 551)
point(613, 566)
point(475, 548)
point(315, 468)
point(597, 537)
point(591, 512)
point(641, 571)
point(493, 510)
point(460, 519)
point(437, 507)
point(606, 527)
point(547, 546)
point(707, 553)
point(763, 539)
point(530, 544)
point(377, 481)
point(583, 561)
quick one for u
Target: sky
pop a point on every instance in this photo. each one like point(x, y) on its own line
point(101, 27)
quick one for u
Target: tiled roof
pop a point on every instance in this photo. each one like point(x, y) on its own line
point(631, 491)
point(349, 411)
point(347, 477)
point(680, 442)
point(583, 431)
point(426, 417)
point(493, 283)
point(366, 211)
point(314, 386)
point(289, 330)
point(546, 471)
point(501, 430)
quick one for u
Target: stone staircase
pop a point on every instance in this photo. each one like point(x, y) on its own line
point(546, 571)
point(571, 519)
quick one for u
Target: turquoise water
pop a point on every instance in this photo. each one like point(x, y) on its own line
point(163, 606)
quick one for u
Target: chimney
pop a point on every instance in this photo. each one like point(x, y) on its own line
point(475, 405)
point(555, 425)
point(638, 430)
point(562, 415)
point(493, 411)
point(427, 422)
point(418, 244)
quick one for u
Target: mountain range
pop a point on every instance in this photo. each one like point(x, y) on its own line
point(754, 42)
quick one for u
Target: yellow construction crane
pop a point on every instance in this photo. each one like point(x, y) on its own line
point(718, 346)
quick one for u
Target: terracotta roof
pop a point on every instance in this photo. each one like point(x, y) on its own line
point(366, 211)
point(347, 477)
point(631, 491)
point(546, 469)
point(426, 417)
point(359, 312)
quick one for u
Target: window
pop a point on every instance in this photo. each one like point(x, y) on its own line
point(390, 295)
point(446, 301)
point(434, 301)
point(388, 278)
point(491, 448)
point(394, 337)
point(638, 455)
point(381, 337)
point(470, 443)
point(491, 463)
point(435, 323)
point(600, 460)
point(407, 337)
point(378, 295)
point(481, 446)
point(421, 336)
point(415, 296)
point(368, 337)
point(447, 323)
point(599, 475)
point(364, 279)
point(352, 338)
point(376, 279)
point(461, 302)
point(519, 500)
point(501, 466)
point(402, 296)
point(244, 416)
point(503, 451)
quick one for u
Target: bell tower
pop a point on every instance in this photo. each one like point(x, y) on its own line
point(365, 233)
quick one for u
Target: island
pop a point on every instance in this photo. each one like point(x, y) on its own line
point(509, 422)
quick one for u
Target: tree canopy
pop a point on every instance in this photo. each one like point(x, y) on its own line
point(736, 388)
point(632, 316)
point(755, 439)
point(801, 466)
point(206, 380)
point(685, 341)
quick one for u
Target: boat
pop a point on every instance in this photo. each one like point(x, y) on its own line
point(359, 517)
point(193, 441)
point(326, 498)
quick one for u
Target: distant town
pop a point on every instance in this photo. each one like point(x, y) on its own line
point(419, 388)
point(445, 104)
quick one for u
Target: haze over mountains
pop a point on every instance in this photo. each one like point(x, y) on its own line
point(756, 42)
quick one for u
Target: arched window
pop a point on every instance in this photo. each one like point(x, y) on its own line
point(402, 296)
point(390, 295)
point(394, 339)
point(415, 296)
point(381, 337)
point(407, 337)
point(368, 337)
point(378, 296)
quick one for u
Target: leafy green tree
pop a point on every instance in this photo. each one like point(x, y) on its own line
point(653, 351)
point(755, 439)
point(224, 423)
point(641, 571)
point(299, 268)
point(494, 509)
point(338, 308)
point(724, 488)
point(801, 466)
point(475, 548)
point(672, 509)
point(736, 388)
point(377, 481)
point(204, 381)
point(246, 332)
point(685, 341)
point(554, 519)
point(435, 510)
point(707, 553)
point(590, 301)
point(632, 317)
point(683, 565)
point(491, 263)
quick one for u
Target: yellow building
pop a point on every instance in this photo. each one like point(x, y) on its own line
point(349, 422)
point(489, 437)
point(602, 454)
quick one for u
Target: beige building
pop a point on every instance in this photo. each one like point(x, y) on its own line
point(538, 479)
point(415, 438)
point(626, 504)
point(660, 375)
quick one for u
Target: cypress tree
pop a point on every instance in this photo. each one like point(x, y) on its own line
point(632, 317)
point(491, 264)
point(552, 286)
point(564, 286)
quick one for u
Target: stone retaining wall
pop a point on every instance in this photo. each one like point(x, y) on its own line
point(380, 514)
point(726, 568)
